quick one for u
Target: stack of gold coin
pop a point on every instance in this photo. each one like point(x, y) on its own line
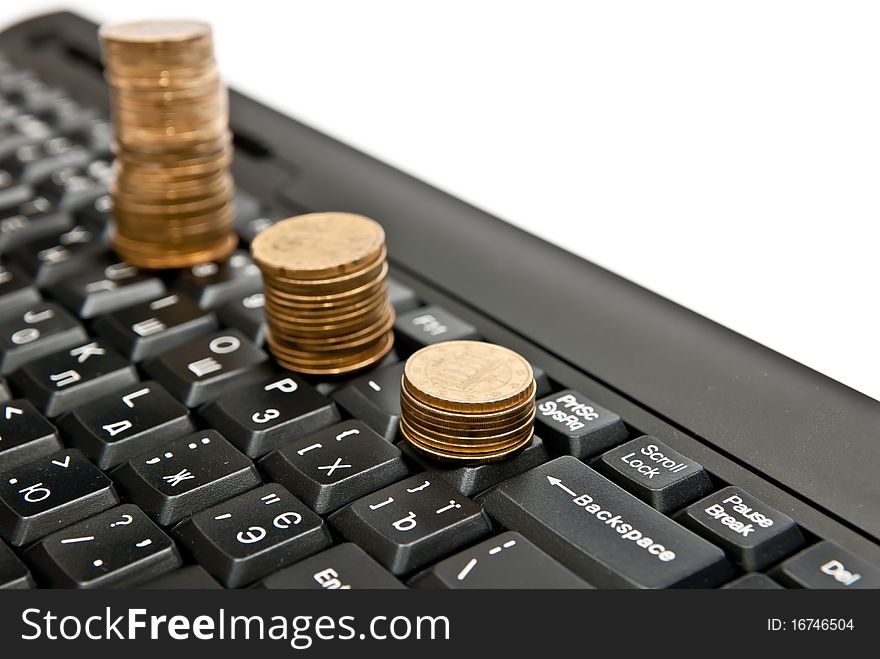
point(172, 194)
point(467, 402)
point(326, 304)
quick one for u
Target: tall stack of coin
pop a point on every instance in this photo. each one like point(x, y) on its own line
point(172, 197)
point(326, 304)
point(467, 402)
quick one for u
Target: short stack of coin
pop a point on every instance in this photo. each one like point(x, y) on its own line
point(172, 197)
point(326, 303)
point(467, 402)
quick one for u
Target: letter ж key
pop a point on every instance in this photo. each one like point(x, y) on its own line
point(253, 535)
point(121, 547)
point(48, 494)
point(186, 475)
point(601, 532)
point(412, 523)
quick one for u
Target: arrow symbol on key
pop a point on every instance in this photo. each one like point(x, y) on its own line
point(558, 483)
point(65, 463)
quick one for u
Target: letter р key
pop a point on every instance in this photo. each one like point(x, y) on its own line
point(121, 547)
point(753, 534)
point(570, 423)
point(48, 494)
point(252, 535)
point(267, 414)
point(186, 475)
point(343, 567)
point(412, 523)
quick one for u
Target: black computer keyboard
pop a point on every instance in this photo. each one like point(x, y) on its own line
point(147, 438)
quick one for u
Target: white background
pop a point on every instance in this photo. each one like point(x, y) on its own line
point(723, 154)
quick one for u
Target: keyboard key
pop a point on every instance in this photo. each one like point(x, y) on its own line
point(601, 532)
point(104, 287)
point(209, 366)
point(254, 534)
point(252, 219)
point(473, 479)
point(752, 581)
point(246, 315)
point(5, 394)
point(542, 382)
point(61, 381)
point(49, 260)
point(375, 399)
point(30, 220)
point(753, 534)
point(25, 435)
point(17, 291)
point(269, 413)
point(114, 428)
point(655, 473)
point(186, 475)
point(41, 330)
point(505, 561)
point(429, 325)
point(35, 162)
point(13, 573)
point(73, 187)
point(401, 297)
point(213, 284)
point(412, 523)
point(570, 423)
point(825, 565)
point(335, 466)
point(50, 493)
point(119, 548)
point(191, 577)
point(343, 567)
point(147, 329)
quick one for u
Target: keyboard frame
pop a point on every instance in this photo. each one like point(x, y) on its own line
point(752, 417)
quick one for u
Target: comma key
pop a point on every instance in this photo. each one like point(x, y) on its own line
point(601, 532)
point(753, 534)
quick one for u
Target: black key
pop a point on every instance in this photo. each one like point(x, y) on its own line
point(41, 330)
point(34, 95)
point(505, 561)
point(246, 538)
point(269, 413)
point(412, 523)
point(247, 316)
point(17, 291)
point(147, 329)
point(35, 162)
point(601, 532)
point(51, 259)
point(72, 187)
point(119, 548)
point(655, 473)
point(67, 116)
point(753, 534)
point(542, 382)
point(116, 427)
point(4, 391)
point(61, 381)
point(343, 567)
point(401, 297)
point(213, 284)
point(251, 218)
point(335, 466)
point(191, 577)
point(825, 565)
point(13, 573)
point(96, 135)
point(375, 399)
point(25, 435)
point(473, 479)
point(13, 192)
point(209, 366)
point(429, 325)
point(104, 287)
point(752, 581)
point(570, 423)
point(51, 493)
point(186, 475)
point(30, 220)
point(21, 130)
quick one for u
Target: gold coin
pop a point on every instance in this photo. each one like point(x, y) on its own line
point(155, 33)
point(317, 245)
point(468, 375)
point(467, 459)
